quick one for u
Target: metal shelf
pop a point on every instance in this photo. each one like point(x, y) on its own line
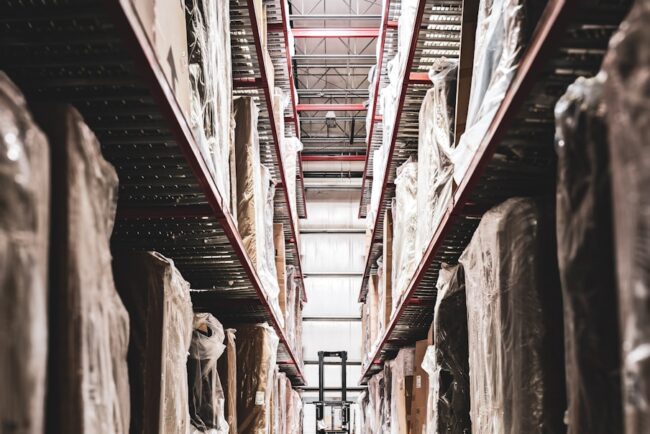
point(96, 56)
point(516, 156)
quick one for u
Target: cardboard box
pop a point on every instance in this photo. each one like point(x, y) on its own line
point(430, 334)
point(420, 390)
point(164, 23)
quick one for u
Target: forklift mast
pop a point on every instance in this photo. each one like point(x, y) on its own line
point(343, 404)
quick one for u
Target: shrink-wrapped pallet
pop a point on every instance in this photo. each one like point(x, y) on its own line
point(88, 389)
point(208, 27)
point(257, 346)
point(294, 413)
point(266, 263)
point(290, 149)
point(24, 230)
point(587, 270)
point(376, 400)
point(402, 368)
point(281, 380)
point(292, 291)
point(514, 337)
point(371, 99)
point(627, 96)
point(447, 362)
point(158, 300)
point(436, 137)
point(387, 396)
point(405, 219)
point(378, 172)
point(502, 32)
point(227, 366)
point(207, 398)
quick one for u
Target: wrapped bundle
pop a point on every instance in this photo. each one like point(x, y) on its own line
point(292, 290)
point(405, 220)
point(208, 24)
point(402, 368)
point(378, 172)
point(502, 32)
point(387, 385)
point(257, 347)
point(266, 262)
point(227, 366)
point(376, 403)
point(281, 380)
point(388, 100)
point(207, 399)
point(587, 270)
point(513, 303)
point(436, 137)
point(626, 94)
point(447, 363)
point(292, 146)
point(396, 67)
point(89, 385)
point(158, 300)
point(24, 233)
point(371, 98)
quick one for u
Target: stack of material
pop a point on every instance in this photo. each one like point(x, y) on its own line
point(447, 362)
point(294, 411)
point(255, 199)
point(504, 28)
point(158, 300)
point(626, 93)
point(262, 25)
point(387, 397)
point(291, 147)
point(208, 24)
point(207, 399)
point(378, 172)
point(257, 347)
point(89, 386)
point(371, 95)
point(24, 232)
point(587, 268)
point(420, 393)
point(513, 302)
point(227, 368)
point(402, 368)
point(436, 137)
point(376, 405)
point(405, 219)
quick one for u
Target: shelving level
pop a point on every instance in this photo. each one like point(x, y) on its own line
point(96, 56)
point(515, 157)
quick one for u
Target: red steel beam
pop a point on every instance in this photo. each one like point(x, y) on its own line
point(419, 78)
point(330, 107)
point(333, 158)
point(373, 105)
point(555, 19)
point(342, 32)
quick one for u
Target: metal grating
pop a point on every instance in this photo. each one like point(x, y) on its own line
point(516, 158)
point(95, 56)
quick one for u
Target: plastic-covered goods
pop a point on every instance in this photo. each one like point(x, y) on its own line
point(266, 262)
point(387, 397)
point(24, 234)
point(388, 100)
point(515, 339)
point(376, 403)
point(257, 346)
point(371, 97)
point(378, 172)
point(292, 290)
point(158, 300)
point(281, 380)
point(627, 97)
point(396, 67)
point(211, 82)
point(88, 389)
point(402, 368)
point(447, 364)
point(227, 366)
point(502, 32)
point(435, 146)
point(207, 399)
point(294, 413)
point(405, 222)
point(587, 266)
point(291, 147)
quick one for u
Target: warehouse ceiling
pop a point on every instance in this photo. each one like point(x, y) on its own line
point(333, 70)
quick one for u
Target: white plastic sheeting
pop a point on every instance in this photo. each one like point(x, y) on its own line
point(211, 82)
point(266, 263)
point(435, 170)
point(291, 147)
point(401, 367)
point(207, 399)
point(500, 39)
point(431, 368)
point(405, 221)
point(378, 172)
point(24, 234)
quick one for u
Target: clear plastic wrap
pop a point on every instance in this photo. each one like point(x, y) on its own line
point(158, 300)
point(294, 422)
point(88, 386)
point(515, 339)
point(587, 267)
point(435, 146)
point(627, 97)
point(257, 347)
point(227, 366)
point(208, 24)
point(405, 223)
point(207, 399)
point(381, 292)
point(378, 172)
point(396, 67)
point(447, 364)
point(402, 368)
point(371, 97)
point(376, 407)
point(281, 380)
point(290, 320)
point(290, 150)
point(502, 32)
point(387, 385)
point(266, 261)
point(24, 234)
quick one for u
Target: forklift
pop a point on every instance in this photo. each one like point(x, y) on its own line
point(340, 407)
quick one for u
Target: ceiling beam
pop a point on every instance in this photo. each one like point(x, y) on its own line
point(340, 32)
point(330, 107)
